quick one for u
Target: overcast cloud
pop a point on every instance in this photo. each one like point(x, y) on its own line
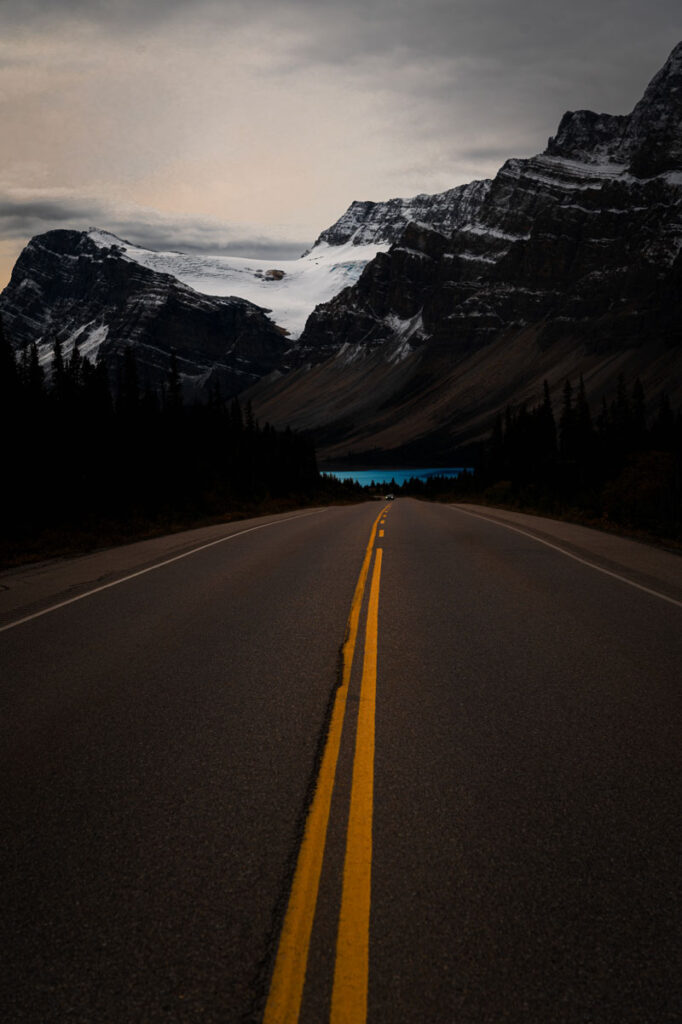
point(250, 126)
point(25, 215)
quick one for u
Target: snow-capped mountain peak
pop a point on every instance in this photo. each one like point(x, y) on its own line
point(291, 289)
point(288, 289)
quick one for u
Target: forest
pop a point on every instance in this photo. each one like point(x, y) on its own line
point(91, 461)
point(621, 466)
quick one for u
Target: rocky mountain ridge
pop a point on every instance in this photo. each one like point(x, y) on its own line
point(647, 141)
point(438, 309)
point(367, 222)
point(592, 183)
point(572, 259)
point(104, 293)
point(66, 284)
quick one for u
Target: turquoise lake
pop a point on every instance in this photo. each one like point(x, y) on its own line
point(384, 476)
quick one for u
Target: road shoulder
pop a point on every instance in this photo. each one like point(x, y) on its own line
point(643, 564)
point(30, 588)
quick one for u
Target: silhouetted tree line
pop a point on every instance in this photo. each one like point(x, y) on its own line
point(78, 452)
point(622, 465)
point(619, 464)
point(437, 488)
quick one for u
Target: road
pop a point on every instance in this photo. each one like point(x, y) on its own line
point(471, 814)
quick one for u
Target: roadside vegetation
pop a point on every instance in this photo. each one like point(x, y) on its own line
point(620, 468)
point(86, 465)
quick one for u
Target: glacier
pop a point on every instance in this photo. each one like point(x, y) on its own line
point(288, 290)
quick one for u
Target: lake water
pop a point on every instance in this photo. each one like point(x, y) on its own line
point(384, 476)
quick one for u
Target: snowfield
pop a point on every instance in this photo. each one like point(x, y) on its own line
point(288, 289)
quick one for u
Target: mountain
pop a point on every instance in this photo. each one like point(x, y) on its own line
point(229, 319)
point(288, 290)
point(82, 287)
point(568, 262)
point(367, 223)
point(410, 322)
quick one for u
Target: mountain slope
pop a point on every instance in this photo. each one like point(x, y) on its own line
point(412, 321)
point(106, 293)
point(286, 289)
point(571, 262)
point(84, 290)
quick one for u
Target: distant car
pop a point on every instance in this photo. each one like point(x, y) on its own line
point(389, 497)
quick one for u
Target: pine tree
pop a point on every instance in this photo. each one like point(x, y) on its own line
point(129, 397)
point(583, 424)
point(548, 443)
point(567, 423)
point(638, 415)
point(34, 375)
point(58, 379)
point(495, 460)
point(9, 376)
point(174, 392)
point(236, 416)
point(12, 460)
point(75, 368)
point(622, 414)
point(663, 427)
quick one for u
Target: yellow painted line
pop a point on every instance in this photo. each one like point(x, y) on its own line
point(286, 988)
point(351, 973)
point(381, 533)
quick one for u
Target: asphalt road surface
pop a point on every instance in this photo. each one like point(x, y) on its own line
point(470, 814)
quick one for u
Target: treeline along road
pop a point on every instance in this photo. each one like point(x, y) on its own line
point(394, 762)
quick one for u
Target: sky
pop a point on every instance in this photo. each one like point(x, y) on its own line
point(249, 126)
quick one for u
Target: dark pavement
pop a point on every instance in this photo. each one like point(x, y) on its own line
point(160, 745)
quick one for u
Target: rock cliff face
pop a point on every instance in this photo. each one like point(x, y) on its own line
point(367, 222)
point(647, 141)
point(573, 256)
point(70, 285)
point(587, 232)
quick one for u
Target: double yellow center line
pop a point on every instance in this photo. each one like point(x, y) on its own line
point(351, 972)
point(349, 994)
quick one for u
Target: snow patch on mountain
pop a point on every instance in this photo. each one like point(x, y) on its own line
point(408, 334)
point(89, 337)
point(288, 289)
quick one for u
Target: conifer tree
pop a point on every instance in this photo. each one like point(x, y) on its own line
point(9, 374)
point(34, 375)
point(547, 425)
point(174, 399)
point(584, 430)
point(567, 423)
point(663, 427)
point(129, 397)
point(58, 380)
point(638, 415)
point(496, 467)
point(75, 367)
point(236, 417)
